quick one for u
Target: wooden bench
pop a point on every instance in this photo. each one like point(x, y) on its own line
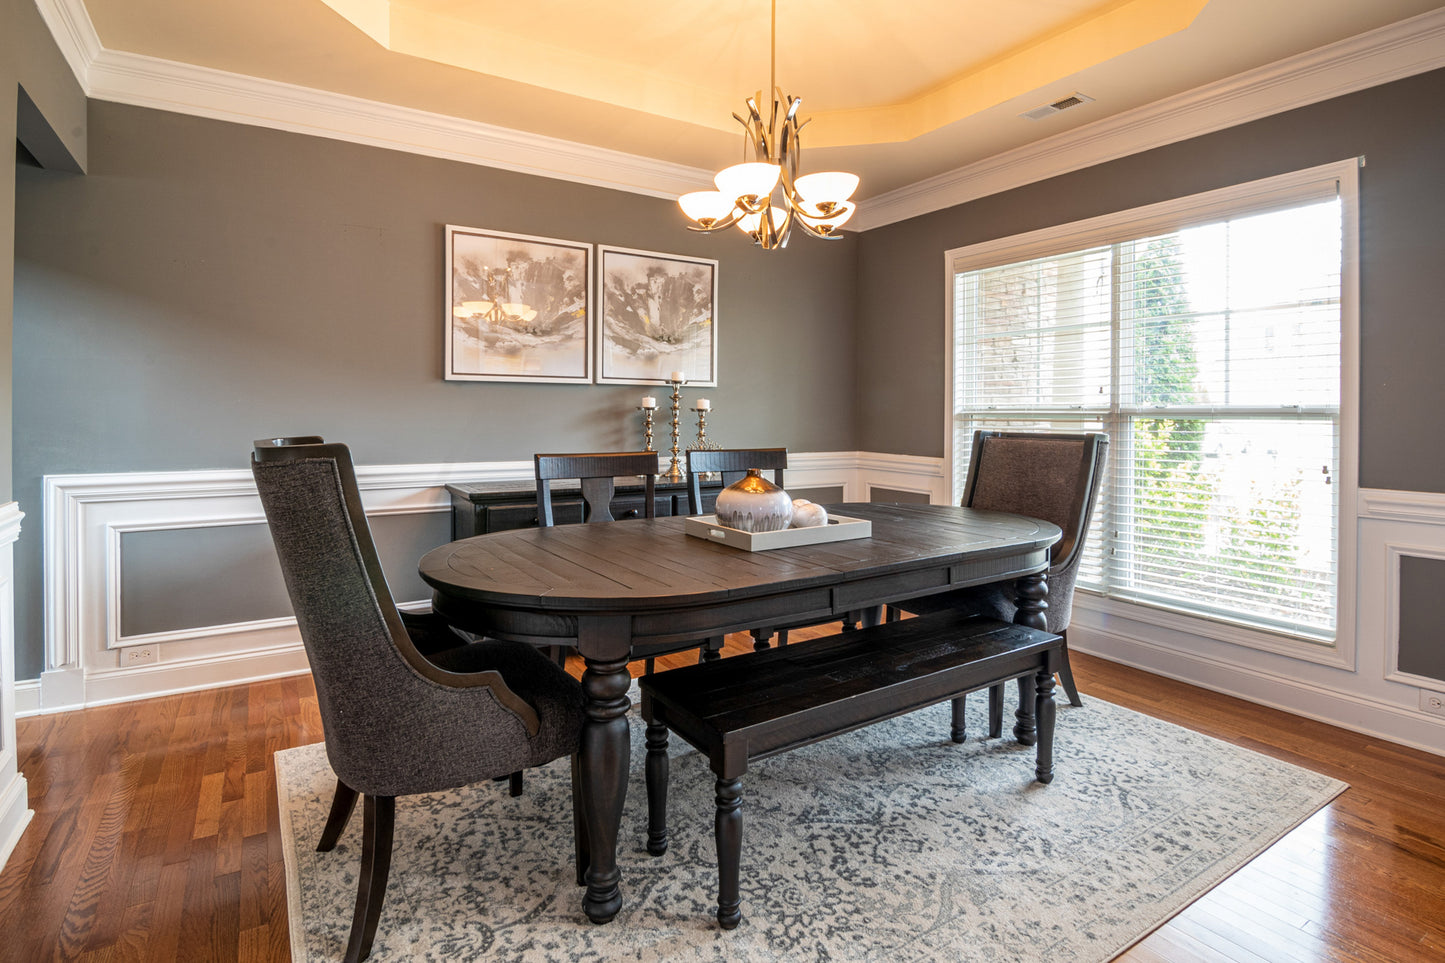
point(764, 703)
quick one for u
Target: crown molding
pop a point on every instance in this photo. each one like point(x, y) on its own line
point(142, 81)
point(1393, 52)
point(1390, 53)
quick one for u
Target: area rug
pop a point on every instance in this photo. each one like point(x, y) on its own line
point(890, 843)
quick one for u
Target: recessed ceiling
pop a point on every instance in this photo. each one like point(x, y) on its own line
point(897, 91)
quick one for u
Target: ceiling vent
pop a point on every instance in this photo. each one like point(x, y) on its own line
point(1047, 110)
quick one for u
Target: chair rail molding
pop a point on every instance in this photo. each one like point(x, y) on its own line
point(86, 516)
point(15, 812)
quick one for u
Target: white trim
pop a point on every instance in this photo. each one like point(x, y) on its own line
point(1325, 180)
point(142, 81)
point(14, 795)
point(1427, 507)
point(27, 698)
point(86, 516)
point(1281, 690)
point(1393, 673)
point(1380, 56)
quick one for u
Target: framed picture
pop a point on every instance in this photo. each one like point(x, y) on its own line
point(519, 308)
point(658, 315)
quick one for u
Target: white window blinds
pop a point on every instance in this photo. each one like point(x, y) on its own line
point(1211, 354)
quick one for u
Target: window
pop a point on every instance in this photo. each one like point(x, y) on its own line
point(1208, 337)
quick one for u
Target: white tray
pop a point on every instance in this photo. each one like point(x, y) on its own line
point(840, 528)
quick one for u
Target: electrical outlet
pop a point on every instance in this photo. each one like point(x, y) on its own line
point(1432, 702)
point(138, 655)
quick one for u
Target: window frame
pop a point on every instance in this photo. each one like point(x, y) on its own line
point(1340, 178)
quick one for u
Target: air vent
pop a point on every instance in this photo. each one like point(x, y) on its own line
point(1048, 110)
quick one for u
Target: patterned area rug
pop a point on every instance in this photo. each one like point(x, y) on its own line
point(890, 843)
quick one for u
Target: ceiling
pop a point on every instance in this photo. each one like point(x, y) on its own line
point(897, 91)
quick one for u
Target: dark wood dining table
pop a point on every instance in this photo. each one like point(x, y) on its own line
point(621, 591)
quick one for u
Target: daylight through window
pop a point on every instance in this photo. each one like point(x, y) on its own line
point(1211, 354)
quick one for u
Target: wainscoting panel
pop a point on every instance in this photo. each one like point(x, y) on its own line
point(1368, 692)
point(165, 582)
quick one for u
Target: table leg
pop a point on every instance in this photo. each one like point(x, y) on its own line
point(605, 750)
point(1033, 602)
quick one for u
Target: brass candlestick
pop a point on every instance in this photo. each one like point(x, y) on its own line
point(646, 427)
point(674, 471)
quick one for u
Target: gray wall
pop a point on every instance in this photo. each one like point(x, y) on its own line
point(901, 271)
point(34, 75)
point(209, 283)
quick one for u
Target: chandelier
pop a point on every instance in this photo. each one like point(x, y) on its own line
point(764, 196)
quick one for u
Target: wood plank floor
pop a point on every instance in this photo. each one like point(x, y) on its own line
point(156, 834)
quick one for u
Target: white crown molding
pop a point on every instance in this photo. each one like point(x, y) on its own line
point(1390, 53)
point(143, 81)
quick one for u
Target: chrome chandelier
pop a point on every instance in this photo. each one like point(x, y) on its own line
point(764, 196)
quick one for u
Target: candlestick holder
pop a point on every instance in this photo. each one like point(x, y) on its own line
point(702, 444)
point(674, 471)
point(646, 427)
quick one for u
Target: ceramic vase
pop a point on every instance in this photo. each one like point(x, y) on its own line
point(754, 504)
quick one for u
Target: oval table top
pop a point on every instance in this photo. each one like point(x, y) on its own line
point(652, 563)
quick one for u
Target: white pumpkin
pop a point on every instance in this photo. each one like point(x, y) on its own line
point(808, 515)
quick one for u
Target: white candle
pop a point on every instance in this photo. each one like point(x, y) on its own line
point(676, 376)
point(703, 404)
point(649, 402)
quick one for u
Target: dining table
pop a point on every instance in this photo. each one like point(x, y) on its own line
point(621, 591)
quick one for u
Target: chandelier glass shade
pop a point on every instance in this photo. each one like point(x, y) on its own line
point(497, 310)
point(764, 196)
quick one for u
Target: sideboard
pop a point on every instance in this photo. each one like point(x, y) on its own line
point(478, 509)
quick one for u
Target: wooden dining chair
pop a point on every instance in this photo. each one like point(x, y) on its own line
point(397, 722)
point(733, 464)
point(597, 473)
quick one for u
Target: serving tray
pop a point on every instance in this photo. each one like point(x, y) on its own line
point(840, 528)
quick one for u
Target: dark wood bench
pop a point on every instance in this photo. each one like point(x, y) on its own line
point(763, 703)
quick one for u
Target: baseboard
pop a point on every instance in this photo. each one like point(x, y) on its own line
point(15, 814)
point(1327, 704)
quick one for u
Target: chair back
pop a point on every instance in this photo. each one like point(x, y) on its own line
point(733, 464)
point(1049, 475)
point(370, 678)
point(598, 474)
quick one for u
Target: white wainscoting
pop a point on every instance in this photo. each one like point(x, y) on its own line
point(1364, 693)
point(15, 809)
point(86, 515)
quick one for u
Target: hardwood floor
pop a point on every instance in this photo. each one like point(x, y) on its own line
point(156, 835)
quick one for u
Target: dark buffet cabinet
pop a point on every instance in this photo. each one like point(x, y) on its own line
point(478, 509)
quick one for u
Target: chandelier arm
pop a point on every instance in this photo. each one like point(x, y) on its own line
point(814, 232)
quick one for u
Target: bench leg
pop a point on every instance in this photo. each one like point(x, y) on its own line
point(762, 639)
point(1044, 706)
point(1024, 729)
point(958, 733)
point(995, 711)
point(657, 776)
point(728, 828)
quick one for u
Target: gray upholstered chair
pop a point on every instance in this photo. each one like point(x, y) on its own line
point(1049, 475)
point(396, 722)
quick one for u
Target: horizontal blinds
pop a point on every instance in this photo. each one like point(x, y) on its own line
point(1211, 356)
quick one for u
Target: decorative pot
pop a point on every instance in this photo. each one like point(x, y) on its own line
point(754, 504)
